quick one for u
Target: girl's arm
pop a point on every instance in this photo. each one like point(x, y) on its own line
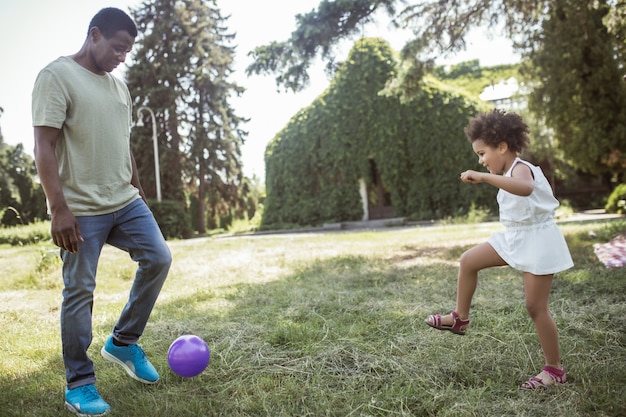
point(521, 181)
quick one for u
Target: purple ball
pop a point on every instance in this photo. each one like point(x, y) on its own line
point(188, 356)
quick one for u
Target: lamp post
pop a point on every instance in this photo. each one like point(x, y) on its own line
point(157, 173)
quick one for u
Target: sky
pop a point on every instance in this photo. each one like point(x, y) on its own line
point(35, 32)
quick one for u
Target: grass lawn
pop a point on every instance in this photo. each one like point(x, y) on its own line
point(327, 325)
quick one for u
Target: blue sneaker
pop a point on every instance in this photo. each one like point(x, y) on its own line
point(85, 401)
point(132, 359)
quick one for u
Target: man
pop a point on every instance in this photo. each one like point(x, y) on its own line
point(82, 118)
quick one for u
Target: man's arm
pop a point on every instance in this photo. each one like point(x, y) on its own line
point(65, 231)
point(135, 178)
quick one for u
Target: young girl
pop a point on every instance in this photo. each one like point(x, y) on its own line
point(531, 241)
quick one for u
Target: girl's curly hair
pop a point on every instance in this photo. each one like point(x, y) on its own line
point(499, 126)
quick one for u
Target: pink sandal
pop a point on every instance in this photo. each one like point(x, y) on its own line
point(557, 376)
point(458, 326)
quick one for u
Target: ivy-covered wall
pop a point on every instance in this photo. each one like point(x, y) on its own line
point(314, 164)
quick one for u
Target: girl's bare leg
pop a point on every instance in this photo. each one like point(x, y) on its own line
point(475, 259)
point(537, 290)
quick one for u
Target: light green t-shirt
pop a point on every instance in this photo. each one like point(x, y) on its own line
point(94, 114)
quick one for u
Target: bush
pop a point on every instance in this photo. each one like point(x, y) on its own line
point(353, 133)
point(247, 225)
point(172, 219)
point(617, 200)
point(565, 210)
point(25, 235)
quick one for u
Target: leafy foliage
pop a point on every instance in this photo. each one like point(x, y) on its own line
point(439, 27)
point(22, 201)
point(172, 218)
point(577, 49)
point(317, 31)
point(580, 88)
point(617, 200)
point(313, 166)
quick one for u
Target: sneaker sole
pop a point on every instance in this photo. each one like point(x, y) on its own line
point(106, 355)
point(76, 412)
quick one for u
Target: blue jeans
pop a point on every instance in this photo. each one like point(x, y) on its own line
point(134, 230)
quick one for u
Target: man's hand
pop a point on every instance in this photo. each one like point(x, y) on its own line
point(65, 231)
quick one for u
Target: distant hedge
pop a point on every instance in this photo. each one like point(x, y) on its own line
point(172, 218)
point(25, 235)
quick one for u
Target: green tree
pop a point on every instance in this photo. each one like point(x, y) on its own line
point(442, 26)
point(6, 194)
point(580, 90)
point(317, 32)
point(182, 70)
point(21, 199)
point(153, 80)
point(615, 21)
point(439, 27)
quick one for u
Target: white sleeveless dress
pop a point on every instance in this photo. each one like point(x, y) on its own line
point(531, 241)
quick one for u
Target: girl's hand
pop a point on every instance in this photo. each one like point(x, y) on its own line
point(472, 177)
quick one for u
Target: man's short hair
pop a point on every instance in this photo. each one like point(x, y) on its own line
point(111, 20)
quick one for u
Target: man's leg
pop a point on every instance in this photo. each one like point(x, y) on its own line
point(137, 232)
point(79, 278)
